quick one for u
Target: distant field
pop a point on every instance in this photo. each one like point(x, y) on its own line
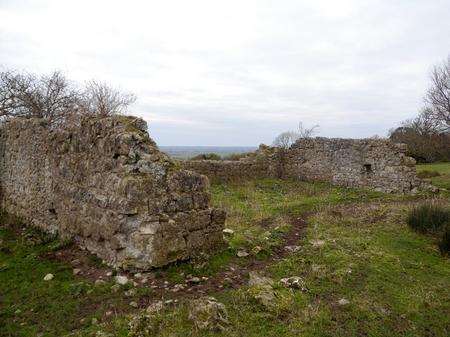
point(443, 179)
point(186, 152)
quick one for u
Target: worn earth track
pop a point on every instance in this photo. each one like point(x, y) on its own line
point(233, 276)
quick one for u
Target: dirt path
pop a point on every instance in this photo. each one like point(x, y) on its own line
point(233, 276)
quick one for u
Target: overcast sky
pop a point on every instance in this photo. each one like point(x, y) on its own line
point(239, 72)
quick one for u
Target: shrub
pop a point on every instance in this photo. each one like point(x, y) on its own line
point(444, 245)
point(236, 156)
point(428, 174)
point(428, 217)
point(207, 156)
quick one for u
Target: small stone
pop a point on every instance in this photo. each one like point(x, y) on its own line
point(99, 282)
point(108, 313)
point(208, 314)
point(194, 280)
point(317, 243)
point(130, 293)
point(48, 277)
point(149, 276)
point(143, 325)
point(133, 304)
point(292, 249)
point(122, 280)
point(228, 231)
point(242, 253)
point(261, 289)
point(256, 249)
point(256, 279)
point(343, 301)
point(178, 287)
point(295, 282)
point(76, 271)
point(155, 307)
point(138, 275)
point(316, 268)
point(227, 281)
point(109, 274)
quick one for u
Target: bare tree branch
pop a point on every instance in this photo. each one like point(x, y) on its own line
point(286, 139)
point(54, 98)
point(438, 95)
point(103, 100)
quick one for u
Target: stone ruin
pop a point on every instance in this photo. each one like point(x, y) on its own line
point(376, 164)
point(106, 185)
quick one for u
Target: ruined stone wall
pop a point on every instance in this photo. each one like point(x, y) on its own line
point(376, 164)
point(263, 163)
point(106, 185)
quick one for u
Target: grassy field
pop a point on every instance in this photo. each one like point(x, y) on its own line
point(366, 273)
point(443, 169)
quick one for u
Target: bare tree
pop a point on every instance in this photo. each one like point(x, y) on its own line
point(103, 100)
point(438, 95)
point(285, 139)
point(56, 99)
point(27, 95)
point(304, 132)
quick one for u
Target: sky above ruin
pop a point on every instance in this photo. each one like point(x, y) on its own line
point(240, 72)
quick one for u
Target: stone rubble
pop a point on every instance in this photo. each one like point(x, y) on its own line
point(295, 282)
point(208, 314)
point(122, 280)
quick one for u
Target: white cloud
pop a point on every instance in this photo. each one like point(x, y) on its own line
point(238, 72)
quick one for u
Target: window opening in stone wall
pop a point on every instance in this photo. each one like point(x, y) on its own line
point(368, 168)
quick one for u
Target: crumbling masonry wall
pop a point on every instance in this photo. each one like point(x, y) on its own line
point(106, 185)
point(376, 164)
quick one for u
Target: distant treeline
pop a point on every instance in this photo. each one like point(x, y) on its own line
point(215, 156)
point(428, 134)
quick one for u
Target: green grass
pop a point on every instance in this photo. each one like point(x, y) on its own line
point(30, 306)
point(395, 279)
point(441, 181)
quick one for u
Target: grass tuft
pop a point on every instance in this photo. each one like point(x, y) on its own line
point(428, 217)
point(428, 174)
point(444, 245)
